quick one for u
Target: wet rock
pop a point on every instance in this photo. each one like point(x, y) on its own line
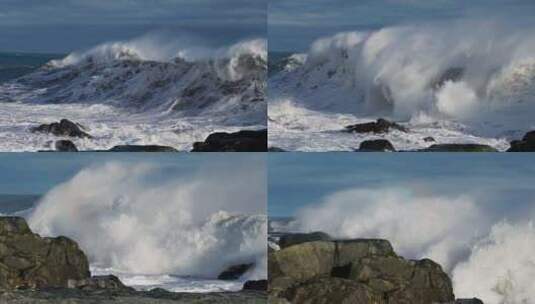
point(242, 141)
point(234, 272)
point(109, 282)
point(429, 139)
point(290, 239)
point(63, 128)
point(527, 144)
point(260, 285)
point(376, 145)
point(459, 148)
point(65, 146)
point(469, 301)
point(30, 261)
point(379, 126)
point(142, 148)
point(275, 149)
point(354, 271)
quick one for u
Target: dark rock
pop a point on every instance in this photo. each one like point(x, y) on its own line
point(142, 148)
point(429, 139)
point(65, 146)
point(527, 144)
point(354, 271)
point(109, 282)
point(64, 128)
point(379, 126)
point(275, 149)
point(29, 261)
point(459, 148)
point(469, 301)
point(234, 272)
point(242, 141)
point(376, 145)
point(290, 239)
point(256, 285)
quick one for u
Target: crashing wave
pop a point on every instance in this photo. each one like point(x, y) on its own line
point(139, 77)
point(462, 71)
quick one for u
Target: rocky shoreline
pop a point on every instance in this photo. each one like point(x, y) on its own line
point(383, 126)
point(241, 141)
point(313, 268)
point(36, 269)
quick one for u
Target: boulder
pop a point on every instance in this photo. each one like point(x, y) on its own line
point(63, 128)
point(142, 148)
point(290, 239)
point(242, 141)
point(354, 271)
point(234, 272)
point(30, 261)
point(376, 145)
point(429, 139)
point(379, 126)
point(276, 149)
point(260, 285)
point(459, 148)
point(65, 146)
point(109, 282)
point(527, 144)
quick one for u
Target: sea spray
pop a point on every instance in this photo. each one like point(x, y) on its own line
point(194, 226)
point(486, 249)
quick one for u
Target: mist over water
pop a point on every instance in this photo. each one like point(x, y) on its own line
point(486, 249)
point(127, 223)
point(471, 77)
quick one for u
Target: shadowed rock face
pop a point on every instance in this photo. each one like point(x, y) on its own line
point(242, 141)
point(234, 272)
point(379, 126)
point(527, 144)
point(354, 271)
point(63, 128)
point(459, 148)
point(30, 261)
point(376, 145)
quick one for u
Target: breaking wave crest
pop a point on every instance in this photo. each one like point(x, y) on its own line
point(127, 223)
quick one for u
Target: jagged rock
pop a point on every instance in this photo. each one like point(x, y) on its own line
point(64, 128)
point(234, 272)
point(142, 148)
point(379, 126)
point(469, 301)
point(65, 146)
point(290, 239)
point(527, 144)
point(256, 285)
point(429, 139)
point(30, 261)
point(242, 141)
point(376, 145)
point(354, 271)
point(459, 148)
point(98, 282)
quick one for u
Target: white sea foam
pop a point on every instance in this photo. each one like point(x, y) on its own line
point(144, 91)
point(476, 77)
point(187, 227)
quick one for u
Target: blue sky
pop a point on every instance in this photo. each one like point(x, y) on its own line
point(294, 24)
point(61, 26)
point(299, 179)
point(36, 173)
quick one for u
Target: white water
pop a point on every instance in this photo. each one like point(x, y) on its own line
point(139, 92)
point(177, 234)
point(487, 252)
point(467, 82)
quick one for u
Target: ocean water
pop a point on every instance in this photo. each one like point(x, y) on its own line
point(14, 65)
point(134, 92)
point(436, 80)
